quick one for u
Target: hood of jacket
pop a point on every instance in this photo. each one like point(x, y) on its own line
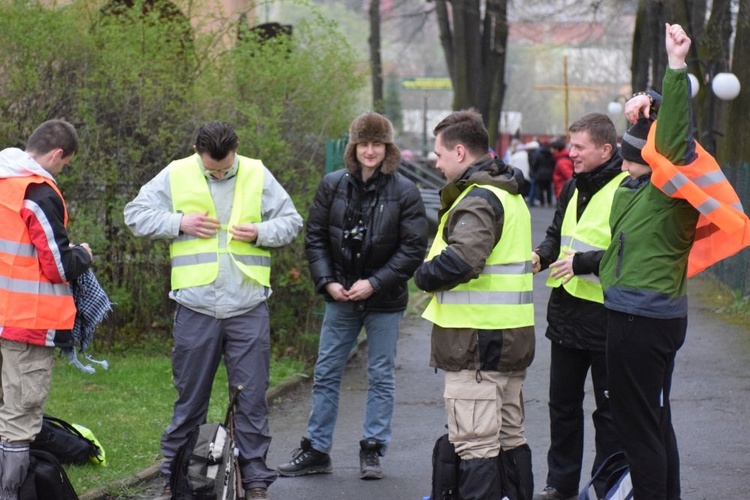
point(486, 170)
point(15, 162)
point(591, 182)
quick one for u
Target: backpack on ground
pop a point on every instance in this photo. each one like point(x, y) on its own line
point(446, 472)
point(66, 442)
point(206, 466)
point(618, 485)
point(46, 479)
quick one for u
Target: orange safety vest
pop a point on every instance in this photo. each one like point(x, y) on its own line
point(28, 299)
point(723, 228)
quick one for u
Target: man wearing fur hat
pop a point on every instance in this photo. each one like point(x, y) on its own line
point(479, 274)
point(366, 234)
point(677, 215)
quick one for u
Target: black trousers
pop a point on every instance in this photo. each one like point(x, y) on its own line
point(568, 371)
point(640, 356)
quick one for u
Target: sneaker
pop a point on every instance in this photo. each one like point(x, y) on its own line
point(551, 493)
point(256, 493)
point(369, 459)
point(306, 460)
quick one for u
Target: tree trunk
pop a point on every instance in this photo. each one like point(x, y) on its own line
point(736, 149)
point(376, 62)
point(475, 48)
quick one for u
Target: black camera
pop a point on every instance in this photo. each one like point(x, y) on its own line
point(356, 233)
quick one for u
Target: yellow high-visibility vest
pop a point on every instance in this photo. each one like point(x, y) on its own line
point(590, 233)
point(195, 261)
point(501, 296)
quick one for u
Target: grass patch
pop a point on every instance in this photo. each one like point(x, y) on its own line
point(127, 408)
point(721, 299)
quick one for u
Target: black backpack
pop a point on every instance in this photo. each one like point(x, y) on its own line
point(446, 472)
point(64, 441)
point(46, 479)
point(206, 466)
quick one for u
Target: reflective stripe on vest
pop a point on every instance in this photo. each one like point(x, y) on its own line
point(501, 296)
point(195, 261)
point(723, 229)
point(30, 301)
point(589, 233)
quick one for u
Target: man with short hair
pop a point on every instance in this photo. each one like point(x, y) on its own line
point(479, 274)
point(575, 242)
point(222, 213)
point(37, 311)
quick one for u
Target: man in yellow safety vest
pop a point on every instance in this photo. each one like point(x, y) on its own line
point(222, 212)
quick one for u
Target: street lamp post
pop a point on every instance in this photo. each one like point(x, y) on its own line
point(725, 86)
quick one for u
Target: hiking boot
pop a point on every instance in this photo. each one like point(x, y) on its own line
point(306, 460)
point(369, 459)
point(551, 493)
point(256, 493)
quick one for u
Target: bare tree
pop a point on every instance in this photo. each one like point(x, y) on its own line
point(376, 61)
point(474, 36)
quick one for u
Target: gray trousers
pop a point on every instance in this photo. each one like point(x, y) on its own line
point(199, 343)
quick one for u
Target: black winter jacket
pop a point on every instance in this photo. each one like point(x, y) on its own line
point(572, 322)
point(375, 230)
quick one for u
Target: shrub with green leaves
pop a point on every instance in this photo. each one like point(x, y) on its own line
point(136, 79)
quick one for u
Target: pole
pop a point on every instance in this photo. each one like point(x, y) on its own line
point(425, 152)
point(567, 95)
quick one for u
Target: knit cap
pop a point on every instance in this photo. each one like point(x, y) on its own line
point(634, 139)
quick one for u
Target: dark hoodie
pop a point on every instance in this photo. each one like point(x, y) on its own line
point(473, 228)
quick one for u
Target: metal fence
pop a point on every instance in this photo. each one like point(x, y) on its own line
point(735, 271)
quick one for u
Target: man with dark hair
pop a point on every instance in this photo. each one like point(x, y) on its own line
point(577, 321)
point(37, 311)
point(479, 274)
point(222, 212)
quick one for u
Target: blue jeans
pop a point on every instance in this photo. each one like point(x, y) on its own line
point(341, 326)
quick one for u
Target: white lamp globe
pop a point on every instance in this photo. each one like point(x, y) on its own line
point(694, 85)
point(614, 108)
point(726, 86)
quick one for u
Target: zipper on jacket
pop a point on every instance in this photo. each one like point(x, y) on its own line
point(620, 250)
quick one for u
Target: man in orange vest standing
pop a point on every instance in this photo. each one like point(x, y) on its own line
point(37, 312)
point(675, 216)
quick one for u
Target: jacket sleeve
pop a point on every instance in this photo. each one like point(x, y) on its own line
point(674, 135)
point(43, 212)
point(549, 249)
point(281, 222)
point(317, 246)
point(471, 232)
point(150, 213)
point(412, 241)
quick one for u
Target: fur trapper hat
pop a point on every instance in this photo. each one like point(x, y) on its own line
point(372, 126)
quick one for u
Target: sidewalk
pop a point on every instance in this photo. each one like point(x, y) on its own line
point(710, 404)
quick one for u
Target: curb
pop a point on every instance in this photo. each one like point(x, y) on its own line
point(274, 394)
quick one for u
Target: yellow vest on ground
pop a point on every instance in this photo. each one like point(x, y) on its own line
point(590, 233)
point(195, 261)
point(501, 296)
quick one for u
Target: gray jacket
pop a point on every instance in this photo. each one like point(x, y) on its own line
point(151, 215)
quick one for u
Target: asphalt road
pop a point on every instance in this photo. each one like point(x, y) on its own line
point(710, 403)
